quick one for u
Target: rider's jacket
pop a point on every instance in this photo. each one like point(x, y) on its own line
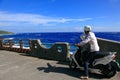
point(92, 40)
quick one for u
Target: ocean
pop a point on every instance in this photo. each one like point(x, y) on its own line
point(49, 38)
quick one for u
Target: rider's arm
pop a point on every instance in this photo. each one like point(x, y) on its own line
point(85, 41)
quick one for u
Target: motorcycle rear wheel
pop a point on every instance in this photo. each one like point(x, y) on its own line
point(109, 71)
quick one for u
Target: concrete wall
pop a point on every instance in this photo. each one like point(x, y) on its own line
point(109, 45)
point(59, 51)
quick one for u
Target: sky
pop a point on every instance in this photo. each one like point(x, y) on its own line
point(22, 16)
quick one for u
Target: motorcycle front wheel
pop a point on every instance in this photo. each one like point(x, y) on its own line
point(72, 65)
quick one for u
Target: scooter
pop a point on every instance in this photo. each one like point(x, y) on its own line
point(104, 63)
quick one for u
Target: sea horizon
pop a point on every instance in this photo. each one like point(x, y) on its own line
point(106, 35)
point(50, 38)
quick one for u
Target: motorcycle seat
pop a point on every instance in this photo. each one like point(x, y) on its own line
point(101, 54)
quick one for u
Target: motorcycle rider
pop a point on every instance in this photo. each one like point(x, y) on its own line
point(89, 38)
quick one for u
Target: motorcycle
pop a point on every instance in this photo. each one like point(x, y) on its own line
point(105, 62)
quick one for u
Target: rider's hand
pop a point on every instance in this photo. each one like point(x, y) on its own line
point(77, 45)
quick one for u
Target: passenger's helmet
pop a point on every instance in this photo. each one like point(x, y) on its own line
point(87, 28)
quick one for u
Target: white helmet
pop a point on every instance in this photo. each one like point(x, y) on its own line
point(87, 28)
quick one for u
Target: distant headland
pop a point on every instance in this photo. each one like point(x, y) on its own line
point(5, 32)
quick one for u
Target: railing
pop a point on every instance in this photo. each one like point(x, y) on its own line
point(110, 45)
point(58, 51)
point(12, 45)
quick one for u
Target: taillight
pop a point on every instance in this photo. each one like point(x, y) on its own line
point(115, 56)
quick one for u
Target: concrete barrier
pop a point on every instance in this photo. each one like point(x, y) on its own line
point(59, 51)
point(109, 45)
point(9, 45)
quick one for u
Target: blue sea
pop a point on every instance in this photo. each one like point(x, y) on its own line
point(49, 38)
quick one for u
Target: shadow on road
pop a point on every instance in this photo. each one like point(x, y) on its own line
point(71, 72)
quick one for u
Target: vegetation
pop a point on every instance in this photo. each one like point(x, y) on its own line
point(5, 32)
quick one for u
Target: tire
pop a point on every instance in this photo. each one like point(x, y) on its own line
point(72, 65)
point(109, 71)
point(116, 65)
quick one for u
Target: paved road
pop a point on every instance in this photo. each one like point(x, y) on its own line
point(18, 66)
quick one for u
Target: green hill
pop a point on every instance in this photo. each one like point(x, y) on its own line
point(5, 32)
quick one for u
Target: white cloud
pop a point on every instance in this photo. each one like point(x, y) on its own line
point(101, 17)
point(78, 28)
point(6, 24)
point(105, 29)
point(34, 19)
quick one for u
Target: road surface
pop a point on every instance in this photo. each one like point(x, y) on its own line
point(19, 66)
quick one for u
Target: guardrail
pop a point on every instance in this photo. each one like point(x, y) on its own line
point(59, 51)
point(110, 45)
point(9, 44)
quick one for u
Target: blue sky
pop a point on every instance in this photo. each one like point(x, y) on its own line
point(59, 15)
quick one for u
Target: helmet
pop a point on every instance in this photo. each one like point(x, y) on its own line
point(87, 28)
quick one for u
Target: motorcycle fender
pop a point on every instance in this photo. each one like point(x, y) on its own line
point(105, 60)
point(116, 65)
